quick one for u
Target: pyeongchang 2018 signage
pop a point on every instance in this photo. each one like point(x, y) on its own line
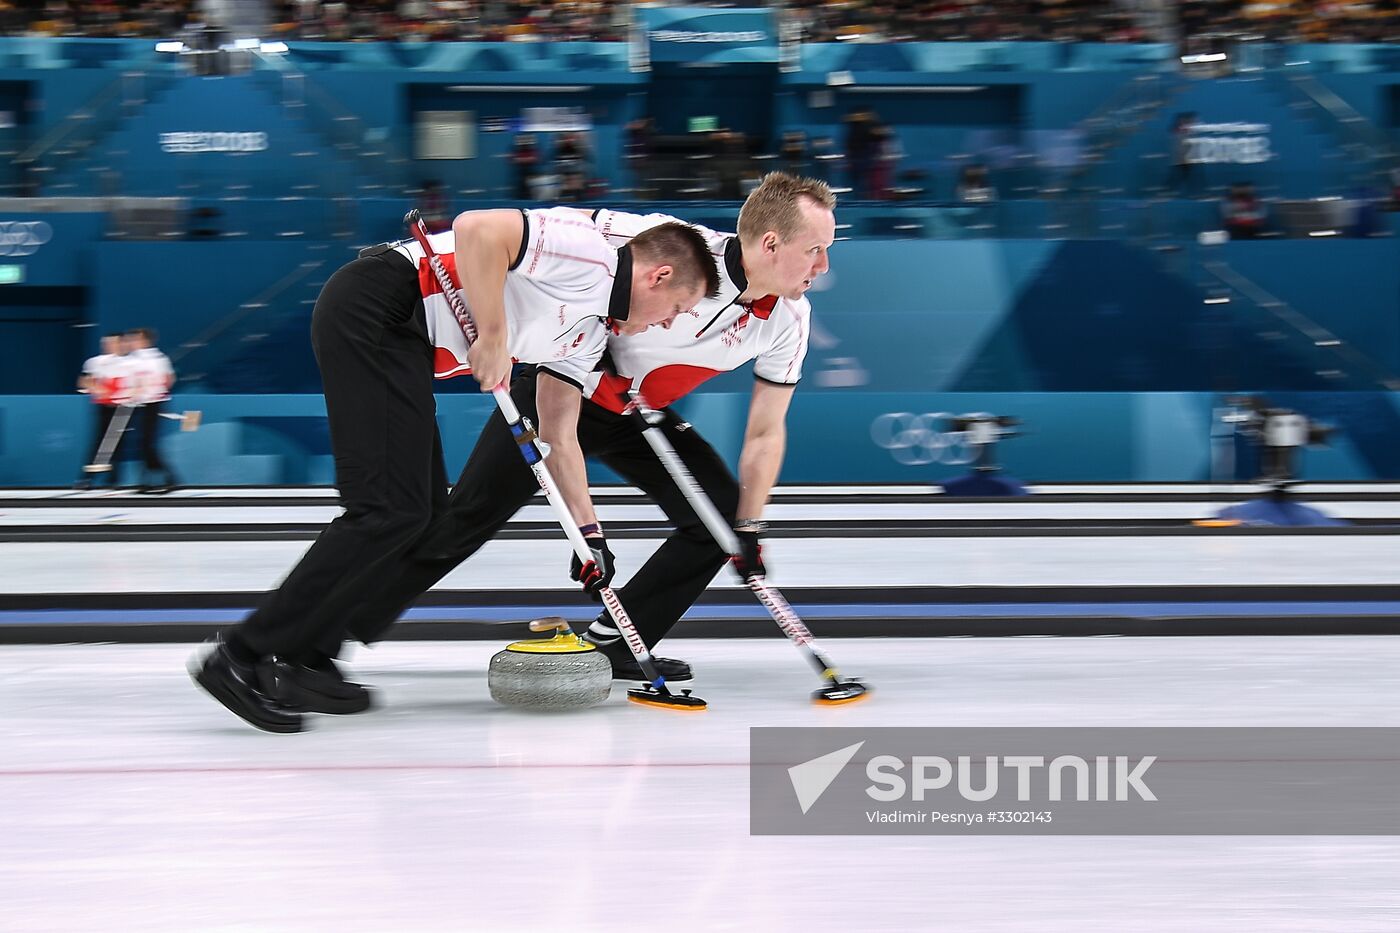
point(691, 35)
point(213, 142)
point(1228, 143)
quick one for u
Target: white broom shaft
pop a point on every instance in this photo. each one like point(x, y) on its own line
point(719, 528)
point(546, 480)
point(113, 435)
point(625, 626)
point(724, 536)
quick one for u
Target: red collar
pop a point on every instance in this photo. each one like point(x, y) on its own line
point(761, 308)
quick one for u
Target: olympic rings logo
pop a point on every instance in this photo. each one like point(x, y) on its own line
point(914, 440)
point(23, 238)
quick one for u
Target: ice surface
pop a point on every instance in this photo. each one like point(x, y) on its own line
point(128, 800)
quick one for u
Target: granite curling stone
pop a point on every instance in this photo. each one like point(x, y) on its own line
point(550, 674)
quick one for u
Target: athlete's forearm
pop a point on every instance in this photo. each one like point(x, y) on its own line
point(558, 404)
point(765, 442)
point(759, 465)
point(566, 466)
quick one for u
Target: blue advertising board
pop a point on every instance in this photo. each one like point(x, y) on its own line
point(688, 35)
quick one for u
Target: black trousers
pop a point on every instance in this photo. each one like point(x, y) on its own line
point(372, 347)
point(496, 482)
point(149, 417)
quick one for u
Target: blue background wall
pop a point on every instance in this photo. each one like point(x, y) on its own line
point(1085, 340)
point(1070, 437)
point(1104, 346)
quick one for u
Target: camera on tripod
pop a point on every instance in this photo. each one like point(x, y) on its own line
point(980, 431)
point(1278, 434)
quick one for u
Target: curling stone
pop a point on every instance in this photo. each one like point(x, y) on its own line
point(550, 674)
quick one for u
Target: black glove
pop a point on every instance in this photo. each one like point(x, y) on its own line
point(597, 572)
point(749, 561)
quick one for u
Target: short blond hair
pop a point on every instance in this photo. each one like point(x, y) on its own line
point(776, 204)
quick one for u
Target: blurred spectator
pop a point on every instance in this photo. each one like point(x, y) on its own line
point(860, 150)
point(975, 185)
point(1366, 205)
point(432, 204)
point(793, 152)
point(813, 20)
point(305, 12)
point(824, 158)
point(204, 223)
point(11, 19)
point(414, 11)
point(638, 143)
point(885, 166)
point(964, 20)
point(974, 191)
point(1182, 177)
point(570, 154)
point(639, 135)
point(1293, 20)
point(574, 187)
point(337, 21)
point(1242, 212)
point(730, 160)
point(525, 160)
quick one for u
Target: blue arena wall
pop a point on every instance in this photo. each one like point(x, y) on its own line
point(834, 436)
point(892, 315)
point(1109, 352)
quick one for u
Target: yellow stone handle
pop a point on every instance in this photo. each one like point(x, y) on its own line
point(551, 623)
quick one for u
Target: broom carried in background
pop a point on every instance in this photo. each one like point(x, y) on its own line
point(102, 460)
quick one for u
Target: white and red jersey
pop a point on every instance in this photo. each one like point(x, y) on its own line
point(565, 282)
point(719, 336)
point(147, 376)
point(104, 375)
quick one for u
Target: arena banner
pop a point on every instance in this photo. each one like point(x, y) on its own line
point(694, 35)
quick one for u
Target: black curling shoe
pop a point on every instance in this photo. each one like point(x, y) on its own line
point(625, 667)
point(246, 690)
point(320, 687)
